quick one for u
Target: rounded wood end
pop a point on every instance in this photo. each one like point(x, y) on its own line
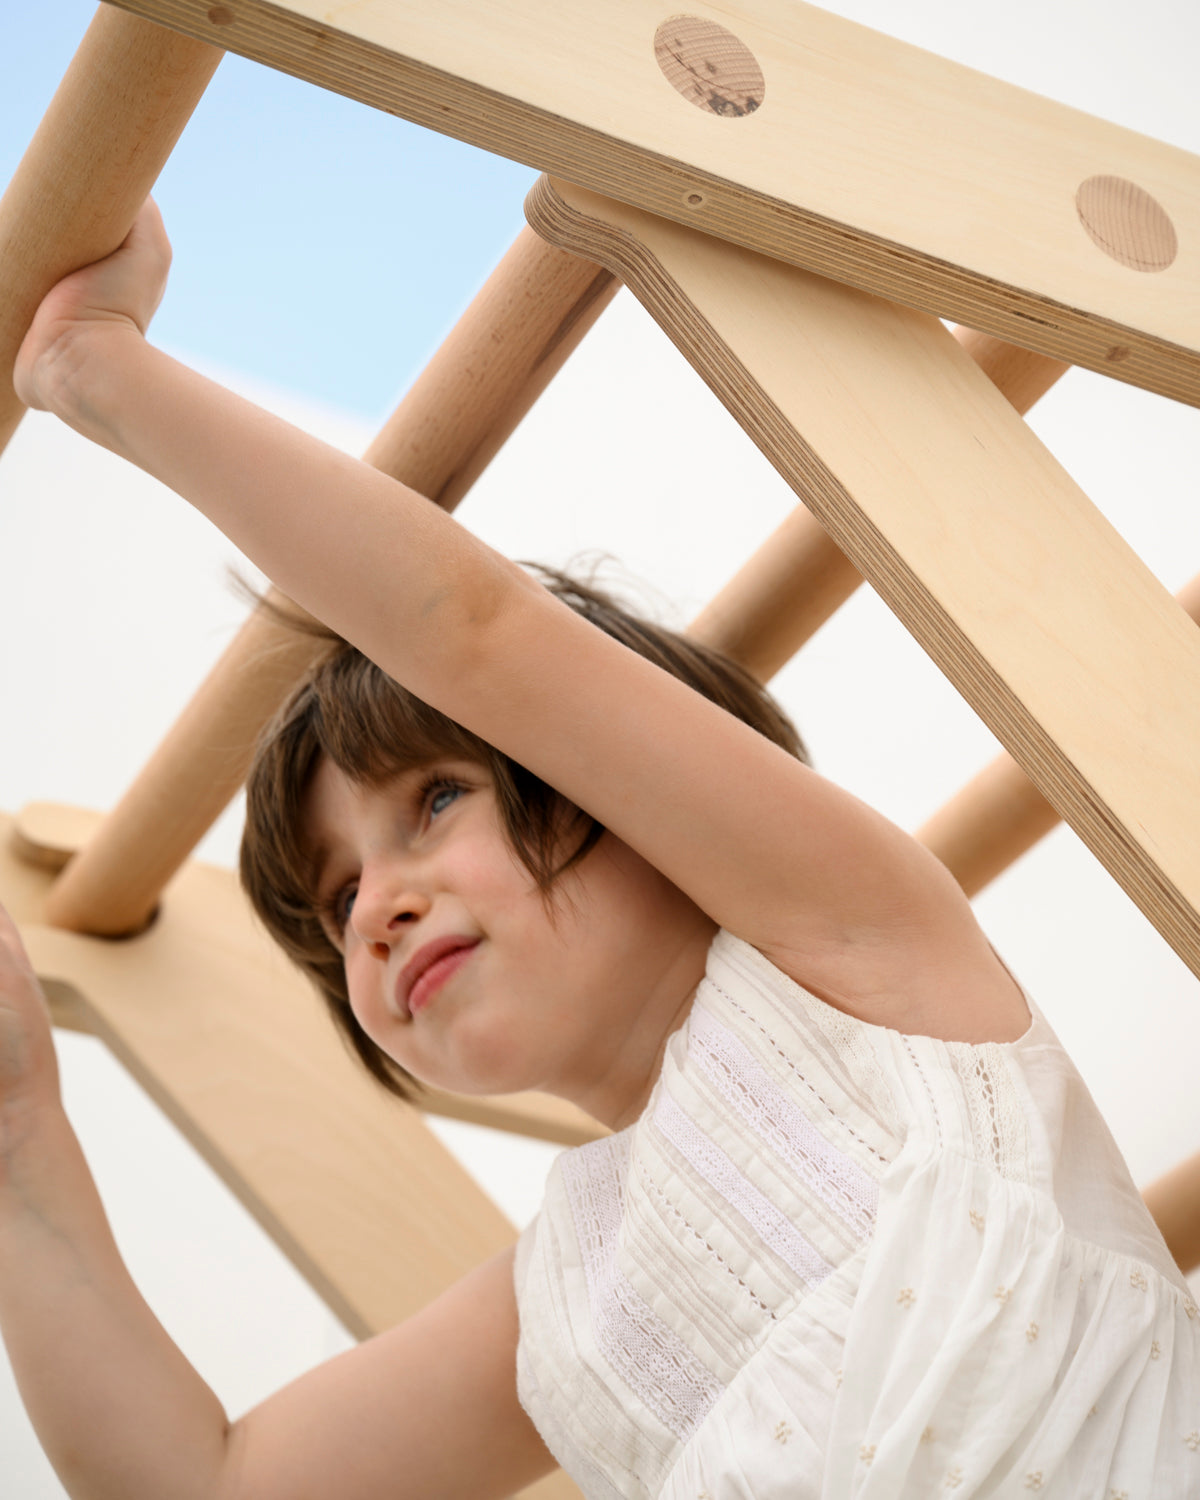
point(709, 66)
point(1126, 223)
point(48, 834)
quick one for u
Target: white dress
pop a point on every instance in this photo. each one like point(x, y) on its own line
point(832, 1260)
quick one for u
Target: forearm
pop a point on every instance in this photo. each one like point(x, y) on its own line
point(119, 1411)
point(365, 554)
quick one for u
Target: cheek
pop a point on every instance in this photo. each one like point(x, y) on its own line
point(367, 1002)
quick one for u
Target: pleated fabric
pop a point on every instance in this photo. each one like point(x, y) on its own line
point(833, 1261)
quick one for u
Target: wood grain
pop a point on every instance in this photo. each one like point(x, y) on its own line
point(933, 185)
point(799, 577)
point(114, 120)
point(1054, 631)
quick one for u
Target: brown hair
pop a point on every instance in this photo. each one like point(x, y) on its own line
point(352, 713)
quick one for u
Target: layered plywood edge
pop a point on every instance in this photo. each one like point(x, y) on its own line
point(1048, 624)
point(710, 118)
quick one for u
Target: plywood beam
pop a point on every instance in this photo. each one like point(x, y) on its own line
point(1054, 631)
point(799, 576)
point(533, 310)
point(118, 112)
point(1000, 815)
point(799, 134)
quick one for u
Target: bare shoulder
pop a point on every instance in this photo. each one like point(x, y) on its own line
point(429, 1408)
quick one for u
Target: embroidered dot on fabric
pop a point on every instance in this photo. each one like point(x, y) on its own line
point(1031, 1333)
point(1193, 1440)
point(1155, 1350)
point(782, 1433)
point(953, 1479)
point(837, 1381)
point(927, 1435)
point(866, 1454)
point(1189, 1307)
point(1119, 1495)
point(1034, 1481)
point(1092, 1412)
point(1137, 1280)
point(1002, 1294)
point(977, 1219)
point(907, 1296)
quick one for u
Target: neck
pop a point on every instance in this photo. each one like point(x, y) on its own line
point(618, 1092)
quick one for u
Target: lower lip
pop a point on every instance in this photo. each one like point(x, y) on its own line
point(435, 976)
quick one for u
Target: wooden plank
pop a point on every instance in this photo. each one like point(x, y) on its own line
point(799, 577)
point(1000, 815)
point(866, 159)
point(528, 317)
point(1067, 646)
point(114, 120)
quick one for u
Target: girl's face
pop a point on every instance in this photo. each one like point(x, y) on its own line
point(472, 979)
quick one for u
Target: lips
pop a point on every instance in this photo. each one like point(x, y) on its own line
point(429, 968)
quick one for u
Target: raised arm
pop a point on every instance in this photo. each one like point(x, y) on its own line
point(833, 892)
point(121, 1413)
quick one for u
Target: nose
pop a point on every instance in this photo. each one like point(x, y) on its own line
point(387, 901)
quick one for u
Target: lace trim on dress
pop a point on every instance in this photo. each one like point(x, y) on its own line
point(836, 1178)
point(725, 1177)
point(994, 1109)
point(645, 1352)
point(804, 1082)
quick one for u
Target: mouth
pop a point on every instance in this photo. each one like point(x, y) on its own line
point(429, 968)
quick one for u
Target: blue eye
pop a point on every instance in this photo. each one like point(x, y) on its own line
point(441, 795)
point(344, 905)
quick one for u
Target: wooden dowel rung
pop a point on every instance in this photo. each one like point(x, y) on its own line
point(1174, 1203)
point(126, 96)
point(999, 815)
point(533, 310)
point(798, 578)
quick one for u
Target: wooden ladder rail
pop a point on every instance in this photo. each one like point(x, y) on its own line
point(114, 120)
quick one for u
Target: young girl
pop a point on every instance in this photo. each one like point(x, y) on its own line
point(859, 1230)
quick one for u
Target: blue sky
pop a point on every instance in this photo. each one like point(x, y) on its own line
point(321, 246)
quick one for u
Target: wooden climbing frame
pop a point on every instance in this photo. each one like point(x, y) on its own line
point(806, 286)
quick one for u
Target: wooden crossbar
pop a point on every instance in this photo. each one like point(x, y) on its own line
point(1055, 632)
point(125, 98)
point(799, 576)
point(821, 142)
point(999, 815)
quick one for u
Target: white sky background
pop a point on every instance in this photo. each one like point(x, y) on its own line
point(321, 251)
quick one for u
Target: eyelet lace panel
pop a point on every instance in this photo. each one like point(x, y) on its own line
point(838, 1181)
point(651, 1359)
point(997, 1121)
point(725, 1178)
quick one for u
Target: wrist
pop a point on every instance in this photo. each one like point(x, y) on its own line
point(73, 375)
